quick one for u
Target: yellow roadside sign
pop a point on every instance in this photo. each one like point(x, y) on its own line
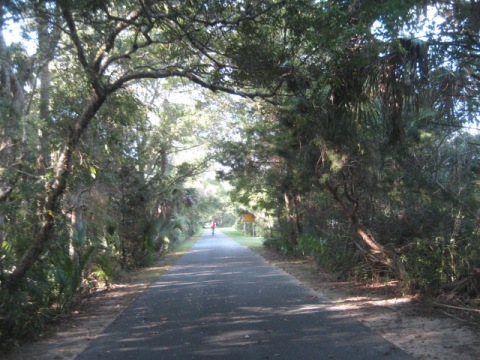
point(248, 218)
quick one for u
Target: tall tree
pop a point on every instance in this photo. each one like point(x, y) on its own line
point(119, 43)
point(361, 97)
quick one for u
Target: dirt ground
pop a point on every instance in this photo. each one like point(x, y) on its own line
point(440, 333)
point(433, 332)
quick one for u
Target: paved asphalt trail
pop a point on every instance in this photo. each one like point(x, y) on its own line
point(222, 301)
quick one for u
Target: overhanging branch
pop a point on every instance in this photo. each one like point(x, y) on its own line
point(162, 74)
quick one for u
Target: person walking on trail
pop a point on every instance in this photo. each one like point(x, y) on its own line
point(213, 225)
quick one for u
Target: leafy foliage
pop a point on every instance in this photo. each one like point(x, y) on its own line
point(363, 153)
point(357, 158)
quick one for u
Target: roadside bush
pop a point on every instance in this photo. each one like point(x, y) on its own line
point(426, 272)
point(332, 256)
point(277, 245)
point(104, 268)
point(27, 309)
point(438, 264)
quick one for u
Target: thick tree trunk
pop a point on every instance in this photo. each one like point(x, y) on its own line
point(54, 193)
point(298, 215)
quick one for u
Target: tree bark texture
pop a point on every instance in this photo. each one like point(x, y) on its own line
point(392, 100)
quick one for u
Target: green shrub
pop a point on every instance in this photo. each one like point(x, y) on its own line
point(333, 256)
point(275, 244)
point(26, 310)
point(430, 265)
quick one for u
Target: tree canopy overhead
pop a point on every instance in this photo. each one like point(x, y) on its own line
point(351, 149)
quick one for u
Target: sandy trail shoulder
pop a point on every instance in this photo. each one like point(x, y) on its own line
point(422, 332)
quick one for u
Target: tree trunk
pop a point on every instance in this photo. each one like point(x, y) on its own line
point(78, 226)
point(13, 101)
point(298, 216)
point(54, 193)
point(2, 221)
point(376, 253)
point(392, 100)
point(292, 219)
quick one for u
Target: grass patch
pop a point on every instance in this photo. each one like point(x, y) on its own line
point(252, 243)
